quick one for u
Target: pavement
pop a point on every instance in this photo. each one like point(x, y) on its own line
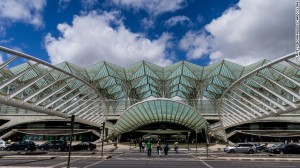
point(108, 151)
point(129, 157)
point(215, 152)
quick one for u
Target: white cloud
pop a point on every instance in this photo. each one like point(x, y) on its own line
point(182, 20)
point(6, 41)
point(89, 4)
point(63, 4)
point(23, 11)
point(1, 59)
point(245, 33)
point(153, 7)
point(197, 44)
point(200, 19)
point(91, 39)
point(148, 22)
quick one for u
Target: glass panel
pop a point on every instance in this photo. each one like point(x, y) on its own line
point(201, 124)
point(153, 110)
point(183, 116)
point(147, 113)
point(183, 113)
point(197, 116)
point(132, 115)
point(143, 112)
point(158, 110)
point(138, 113)
point(169, 109)
point(121, 126)
point(190, 113)
point(179, 112)
point(174, 110)
point(124, 123)
point(163, 109)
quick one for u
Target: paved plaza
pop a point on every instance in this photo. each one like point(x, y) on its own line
point(122, 157)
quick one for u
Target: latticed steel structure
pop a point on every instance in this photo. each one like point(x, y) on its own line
point(236, 94)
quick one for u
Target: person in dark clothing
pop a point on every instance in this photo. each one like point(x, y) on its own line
point(166, 149)
point(143, 146)
point(140, 145)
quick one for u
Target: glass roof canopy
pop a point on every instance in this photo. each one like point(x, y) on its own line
point(159, 110)
point(144, 79)
point(66, 89)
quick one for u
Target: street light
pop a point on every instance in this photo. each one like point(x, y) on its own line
point(102, 144)
point(189, 134)
point(71, 135)
point(196, 140)
point(206, 137)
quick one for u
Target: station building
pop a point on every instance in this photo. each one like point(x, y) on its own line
point(183, 101)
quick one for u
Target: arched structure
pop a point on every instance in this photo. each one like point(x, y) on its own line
point(41, 87)
point(269, 90)
point(160, 110)
point(223, 91)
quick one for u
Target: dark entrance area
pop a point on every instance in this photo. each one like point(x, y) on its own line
point(164, 132)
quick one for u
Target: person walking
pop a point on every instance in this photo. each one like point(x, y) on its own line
point(149, 148)
point(166, 149)
point(143, 146)
point(158, 148)
point(176, 147)
point(140, 145)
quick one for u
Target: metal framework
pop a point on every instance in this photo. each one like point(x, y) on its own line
point(160, 110)
point(44, 88)
point(269, 90)
point(241, 94)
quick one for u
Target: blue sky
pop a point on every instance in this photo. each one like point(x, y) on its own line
point(163, 32)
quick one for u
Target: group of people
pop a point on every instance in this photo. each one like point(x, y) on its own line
point(159, 148)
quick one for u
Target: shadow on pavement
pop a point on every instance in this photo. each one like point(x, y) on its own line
point(31, 161)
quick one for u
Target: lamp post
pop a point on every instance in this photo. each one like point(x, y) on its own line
point(196, 140)
point(102, 144)
point(206, 139)
point(71, 135)
point(189, 133)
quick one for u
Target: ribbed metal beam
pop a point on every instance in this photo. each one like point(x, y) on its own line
point(242, 98)
point(39, 96)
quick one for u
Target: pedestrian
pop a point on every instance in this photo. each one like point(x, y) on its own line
point(140, 145)
point(166, 149)
point(176, 147)
point(158, 148)
point(160, 151)
point(149, 148)
point(143, 146)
